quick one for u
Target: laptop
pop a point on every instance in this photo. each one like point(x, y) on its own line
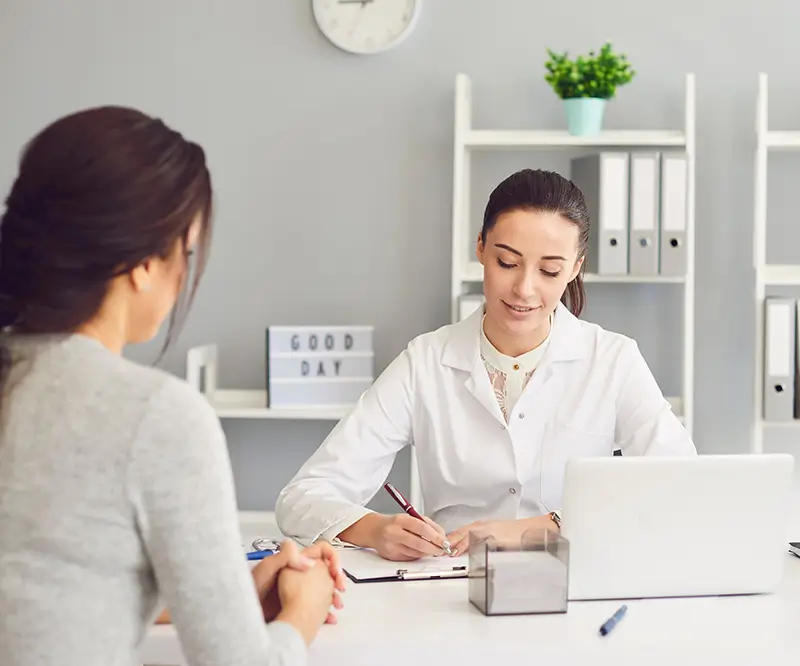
point(676, 526)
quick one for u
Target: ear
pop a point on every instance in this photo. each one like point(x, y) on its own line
point(141, 276)
point(577, 268)
point(479, 248)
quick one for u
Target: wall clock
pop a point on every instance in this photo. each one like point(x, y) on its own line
point(366, 26)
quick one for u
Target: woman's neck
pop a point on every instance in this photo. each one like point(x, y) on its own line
point(515, 345)
point(108, 327)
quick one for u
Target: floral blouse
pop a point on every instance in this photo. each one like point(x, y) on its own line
point(509, 375)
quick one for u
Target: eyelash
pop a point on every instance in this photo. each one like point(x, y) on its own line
point(503, 264)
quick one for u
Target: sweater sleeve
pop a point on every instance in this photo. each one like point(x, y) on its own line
point(181, 486)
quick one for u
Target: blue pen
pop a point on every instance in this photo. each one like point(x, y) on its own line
point(611, 622)
point(259, 554)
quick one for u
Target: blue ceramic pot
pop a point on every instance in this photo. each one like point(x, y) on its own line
point(584, 115)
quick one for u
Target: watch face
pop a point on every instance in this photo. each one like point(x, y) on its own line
point(366, 26)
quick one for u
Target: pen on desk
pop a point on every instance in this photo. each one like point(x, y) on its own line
point(611, 622)
point(397, 496)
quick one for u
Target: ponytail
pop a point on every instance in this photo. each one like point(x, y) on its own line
point(575, 295)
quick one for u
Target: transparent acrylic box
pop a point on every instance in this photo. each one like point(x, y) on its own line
point(527, 576)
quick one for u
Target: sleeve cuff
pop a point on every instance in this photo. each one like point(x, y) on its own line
point(288, 642)
point(332, 533)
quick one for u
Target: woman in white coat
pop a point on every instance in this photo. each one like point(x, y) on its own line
point(494, 405)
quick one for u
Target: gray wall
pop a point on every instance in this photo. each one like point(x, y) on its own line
point(334, 172)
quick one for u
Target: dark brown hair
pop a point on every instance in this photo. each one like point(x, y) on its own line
point(539, 190)
point(98, 192)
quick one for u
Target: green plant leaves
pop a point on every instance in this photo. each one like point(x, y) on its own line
point(594, 75)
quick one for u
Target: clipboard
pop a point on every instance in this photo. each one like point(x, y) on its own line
point(364, 565)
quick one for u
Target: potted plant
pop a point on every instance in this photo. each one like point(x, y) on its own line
point(586, 84)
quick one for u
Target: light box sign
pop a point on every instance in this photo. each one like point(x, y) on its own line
point(318, 366)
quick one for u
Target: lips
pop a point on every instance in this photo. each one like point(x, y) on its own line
point(521, 309)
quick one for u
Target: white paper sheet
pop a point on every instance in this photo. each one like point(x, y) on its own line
point(366, 564)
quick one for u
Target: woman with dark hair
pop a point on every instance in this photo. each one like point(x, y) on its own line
point(495, 404)
point(116, 490)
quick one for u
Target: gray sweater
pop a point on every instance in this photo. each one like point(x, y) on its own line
point(116, 492)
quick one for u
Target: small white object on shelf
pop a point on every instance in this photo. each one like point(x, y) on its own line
point(201, 372)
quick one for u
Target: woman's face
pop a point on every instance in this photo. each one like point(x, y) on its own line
point(528, 259)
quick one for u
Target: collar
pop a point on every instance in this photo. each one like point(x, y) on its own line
point(462, 347)
point(524, 363)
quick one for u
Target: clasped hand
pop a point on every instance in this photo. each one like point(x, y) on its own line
point(289, 558)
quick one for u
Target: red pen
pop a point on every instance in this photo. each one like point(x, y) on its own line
point(397, 496)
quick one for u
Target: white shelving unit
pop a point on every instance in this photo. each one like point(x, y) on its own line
point(469, 140)
point(766, 275)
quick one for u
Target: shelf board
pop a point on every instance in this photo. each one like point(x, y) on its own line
point(234, 404)
point(787, 140)
point(474, 273)
point(780, 424)
point(780, 274)
point(562, 139)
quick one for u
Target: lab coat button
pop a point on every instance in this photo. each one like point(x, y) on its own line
point(513, 491)
point(522, 415)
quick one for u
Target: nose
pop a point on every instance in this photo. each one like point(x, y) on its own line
point(525, 286)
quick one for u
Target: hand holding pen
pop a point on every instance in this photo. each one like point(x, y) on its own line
point(408, 536)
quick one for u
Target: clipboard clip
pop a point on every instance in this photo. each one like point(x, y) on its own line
point(455, 572)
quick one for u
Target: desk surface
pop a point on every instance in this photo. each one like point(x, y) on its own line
point(418, 623)
point(422, 622)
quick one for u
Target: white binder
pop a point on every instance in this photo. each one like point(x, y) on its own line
point(779, 358)
point(674, 207)
point(644, 227)
point(603, 178)
point(797, 361)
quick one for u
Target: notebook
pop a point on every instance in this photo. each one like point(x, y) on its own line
point(364, 565)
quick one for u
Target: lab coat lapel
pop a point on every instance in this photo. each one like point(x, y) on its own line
point(479, 385)
point(544, 393)
point(462, 351)
point(567, 343)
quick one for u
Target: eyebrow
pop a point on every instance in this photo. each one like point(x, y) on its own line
point(509, 248)
point(549, 257)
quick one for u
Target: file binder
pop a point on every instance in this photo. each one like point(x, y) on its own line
point(674, 178)
point(364, 565)
point(603, 178)
point(797, 361)
point(779, 358)
point(644, 227)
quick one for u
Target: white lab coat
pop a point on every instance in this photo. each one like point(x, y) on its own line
point(591, 393)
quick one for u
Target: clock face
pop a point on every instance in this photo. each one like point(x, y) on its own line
point(366, 26)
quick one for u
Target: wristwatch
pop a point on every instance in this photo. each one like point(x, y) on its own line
point(555, 516)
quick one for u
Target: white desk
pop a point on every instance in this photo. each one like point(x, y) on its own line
point(429, 622)
point(423, 622)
